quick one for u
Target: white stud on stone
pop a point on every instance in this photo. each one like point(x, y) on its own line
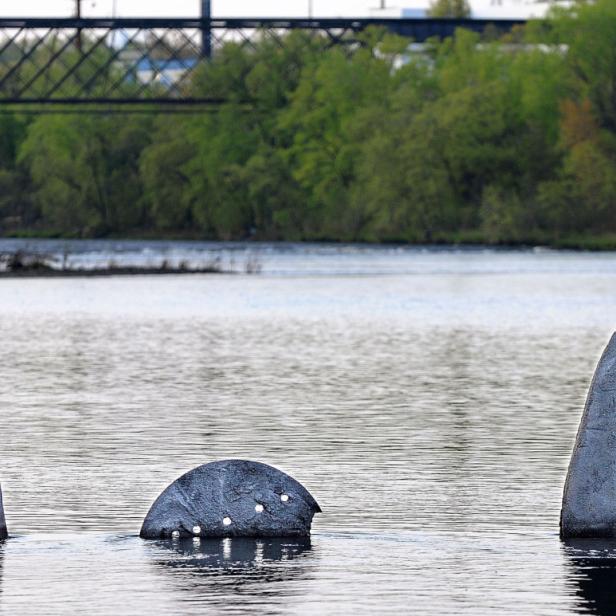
point(284, 498)
point(259, 508)
point(196, 530)
point(226, 521)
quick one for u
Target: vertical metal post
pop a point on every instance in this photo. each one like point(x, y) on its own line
point(78, 16)
point(114, 14)
point(206, 28)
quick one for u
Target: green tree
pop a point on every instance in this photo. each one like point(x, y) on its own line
point(165, 177)
point(455, 9)
point(16, 209)
point(587, 31)
point(85, 172)
point(320, 132)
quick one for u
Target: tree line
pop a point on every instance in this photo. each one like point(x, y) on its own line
point(472, 139)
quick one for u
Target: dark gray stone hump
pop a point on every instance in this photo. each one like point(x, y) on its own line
point(232, 498)
point(589, 500)
point(4, 533)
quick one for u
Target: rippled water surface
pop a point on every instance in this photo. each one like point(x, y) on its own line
point(428, 399)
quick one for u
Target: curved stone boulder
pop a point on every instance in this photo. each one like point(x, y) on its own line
point(4, 533)
point(589, 500)
point(232, 498)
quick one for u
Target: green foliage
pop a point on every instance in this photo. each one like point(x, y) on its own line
point(458, 9)
point(588, 30)
point(165, 177)
point(84, 172)
point(471, 138)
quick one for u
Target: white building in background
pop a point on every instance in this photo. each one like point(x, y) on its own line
point(480, 9)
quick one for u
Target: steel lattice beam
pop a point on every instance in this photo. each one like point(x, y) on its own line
point(143, 61)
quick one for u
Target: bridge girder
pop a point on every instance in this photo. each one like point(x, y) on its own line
point(148, 62)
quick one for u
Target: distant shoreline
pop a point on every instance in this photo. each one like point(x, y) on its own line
point(590, 243)
point(105, 272)
point(28, 263)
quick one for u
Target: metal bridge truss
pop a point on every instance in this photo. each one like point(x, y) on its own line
point(112, 63)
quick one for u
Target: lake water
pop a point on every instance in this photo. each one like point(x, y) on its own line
point(427, 398)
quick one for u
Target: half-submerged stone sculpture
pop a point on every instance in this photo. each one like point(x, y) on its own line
point(589, 501)
point(232, 498)
point(4, 533)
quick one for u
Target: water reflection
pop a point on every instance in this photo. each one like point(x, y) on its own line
point(593, 567)
point(236, 554)
point(249, 568)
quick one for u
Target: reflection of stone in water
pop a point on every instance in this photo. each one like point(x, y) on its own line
point(593, 564)
point(236, 552)
point(4, 533)
point(238, 565)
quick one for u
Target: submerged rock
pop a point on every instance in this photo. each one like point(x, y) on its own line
point(4, 533)
point(589, 500)
point(232, 498)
